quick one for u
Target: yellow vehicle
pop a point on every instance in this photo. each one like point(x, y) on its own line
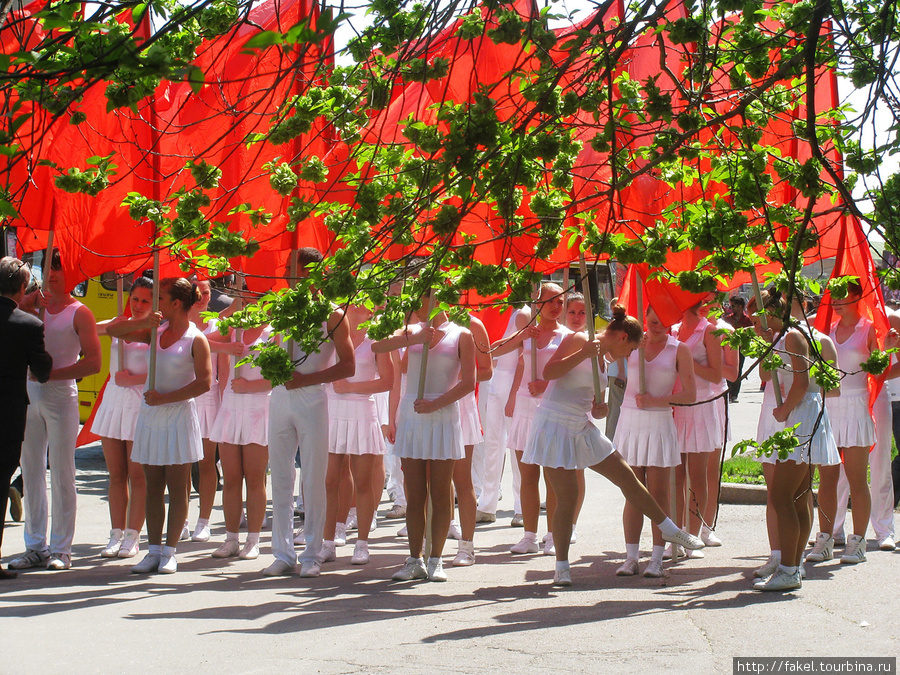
point(99, 295)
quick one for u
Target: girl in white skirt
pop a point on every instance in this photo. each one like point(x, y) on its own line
point(699, 427)
point(470, 422)
point(167, 438)
point(207, 409)
point(241, 431)
point(851, 421)
point(789, 479)
point(355, 437)
point(115, 422)
point(524, 398)
point(646, 436)
point(576, 321)
point(428, 434)
point(566, 436)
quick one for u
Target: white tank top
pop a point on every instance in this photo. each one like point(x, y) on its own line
point(722, 386)
point(575, 389)
point(317, 361)
point(851, 354)
point(786, 373)
point(660, 373)
point(694, 342)
point(60, 339)
point(366, 369)
point(508, 362)
point(175, 364)
point(543, 355)
point(443, 362)
point(250, 371)
point(135, 357)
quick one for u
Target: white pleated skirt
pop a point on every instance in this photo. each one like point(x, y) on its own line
point(354, 426)
point(208, 405)
point(851, 420)
point(469, 420)
point(118, 412)
point(564, 438)
point(817, 443)
point(523, 416)
point(647, 437)
point(167, 435)
point(435, 436)
point(242, 419)
point(698, 426)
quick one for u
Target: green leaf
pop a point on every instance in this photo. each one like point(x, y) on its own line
point(195, 78)
point(264, 39)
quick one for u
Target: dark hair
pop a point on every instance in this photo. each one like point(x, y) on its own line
point(854, 288)
point(574, 296)
point(13, 275)
point(623, 323)
point(772, 301)
point(182, 290)
point(307, 255)
point(55, 260)
point(142, 282)
point(738, 300)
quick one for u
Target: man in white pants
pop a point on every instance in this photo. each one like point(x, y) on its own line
point(298, 416)
point(51, 427)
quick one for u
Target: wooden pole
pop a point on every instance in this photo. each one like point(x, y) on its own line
point(776, 386)
point(642, 366)
point(238, 334)
point(120, 306)
point(48, 260)
point(292, 284)
point(566, 277)
point(536, 310)
point(151, 370)
point(589, 310)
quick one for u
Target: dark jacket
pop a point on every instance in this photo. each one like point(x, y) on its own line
point(21, 349)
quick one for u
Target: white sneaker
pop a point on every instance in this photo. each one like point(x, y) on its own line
point(549, 548)
point(185, 532)
point(517, 521)
point(167, 564)
point(574, 538)
point(414, 568)
point(340, 534)
point(686, 540)
point(374, 525)
point(300, 537)
point(694, 554)
point(768, 569)
point(525, 545)
point(887, 544)
point(780, 581)
point(465, 556)
point(59, 561)
point(30, 559)
point(823, 549)
point(249, 552)
point(654, 569)
point(562, 577)
point(855, 551)
point(327, 553)
point(360, 554)
point(629, 568)
point(279, 568)
point(148, 565)
point(131, 544)
point(455, 532)
point(435, 570)
point(115, 543)
point(403, 532)
point(709, 537)
point(678, 550)
point(310, 569)
point(352, 523)
point(228, 549)
point(201, 533)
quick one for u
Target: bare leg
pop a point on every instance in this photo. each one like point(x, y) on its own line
point(440, 482)
point(465, 494)
point(529, 493)
point(208, 480)
point(564, 482)
point(620, 474)
point(680, 484)
point(696, 499)
point(632, 518)
point(332, 493)
point(856, 464)
point(771, 519)
point(178, 480)
point(156, 503)
point(788, 481)
point(827, 496)
point(362, 467)
point(345, 491)
point(581, 492)
point(254, 460)
point(137, 496)
point(233, 485)
point(415, 480)
point(657, 481)
point(713, 473)
point(116, 455)
point(551, 505)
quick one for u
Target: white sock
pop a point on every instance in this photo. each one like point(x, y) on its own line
point(168, 551)
point(328, 544)
point(562, 565)
point(231, 535)
point(788, 569)
point(154, 549)
point(776, 555)
point(253, 538)
point(362, 543)
point(657, 553)
point(633, 551)
point(531, 536)
point(434, 561)
point(202, 522)
point(668, 527)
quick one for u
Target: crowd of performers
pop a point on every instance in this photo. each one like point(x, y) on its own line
point(356, 409)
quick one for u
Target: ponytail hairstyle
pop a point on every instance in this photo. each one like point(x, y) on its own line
point(623, 323)
point(182, 290)
point(142, 282)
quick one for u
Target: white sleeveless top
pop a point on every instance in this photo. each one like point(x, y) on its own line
point(694, 342)
point(60, 339)
point(250, 371)
point(175, 364)
point(575, 389)
point(136, 357)
point(443, 362)
point(660, 374)
point(508, 362)
point(543, 355)
point(366, 369)
point(317, 361)
point(850, 355)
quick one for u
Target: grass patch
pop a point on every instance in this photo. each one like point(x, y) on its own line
point(742, 470)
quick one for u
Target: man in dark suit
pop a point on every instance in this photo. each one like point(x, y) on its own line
point(21, 349)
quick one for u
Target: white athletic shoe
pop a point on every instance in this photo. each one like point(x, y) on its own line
point(228, 549)
point(340, 534)
point(455, 532)
point(768, 569)
point(549, 548)
point(414, 568)
point(562, 577)
point(167, 564)
point(709, 537)
point(201, 533)
point(855, 551)
point(279, 568)
point(887, 544)
point(115, 543)
point(360, 554)
point(823, 549)
point(327, 553)
point(249, 552)
point(59, 561)
point(465, 556)
point(525, 545)
point(685, 539)
point(654, 569)
point(148, 565)
point(435, 570)
point(131, 544)
point(310, 569)
point(780, 581)
point(629, 568)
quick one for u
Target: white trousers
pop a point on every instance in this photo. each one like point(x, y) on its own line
point(298, 418)
point(881, 486)
point(394, 476)
point(489, 461)
point(51, 428)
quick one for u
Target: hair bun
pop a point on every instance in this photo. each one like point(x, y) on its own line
point(619, 312)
